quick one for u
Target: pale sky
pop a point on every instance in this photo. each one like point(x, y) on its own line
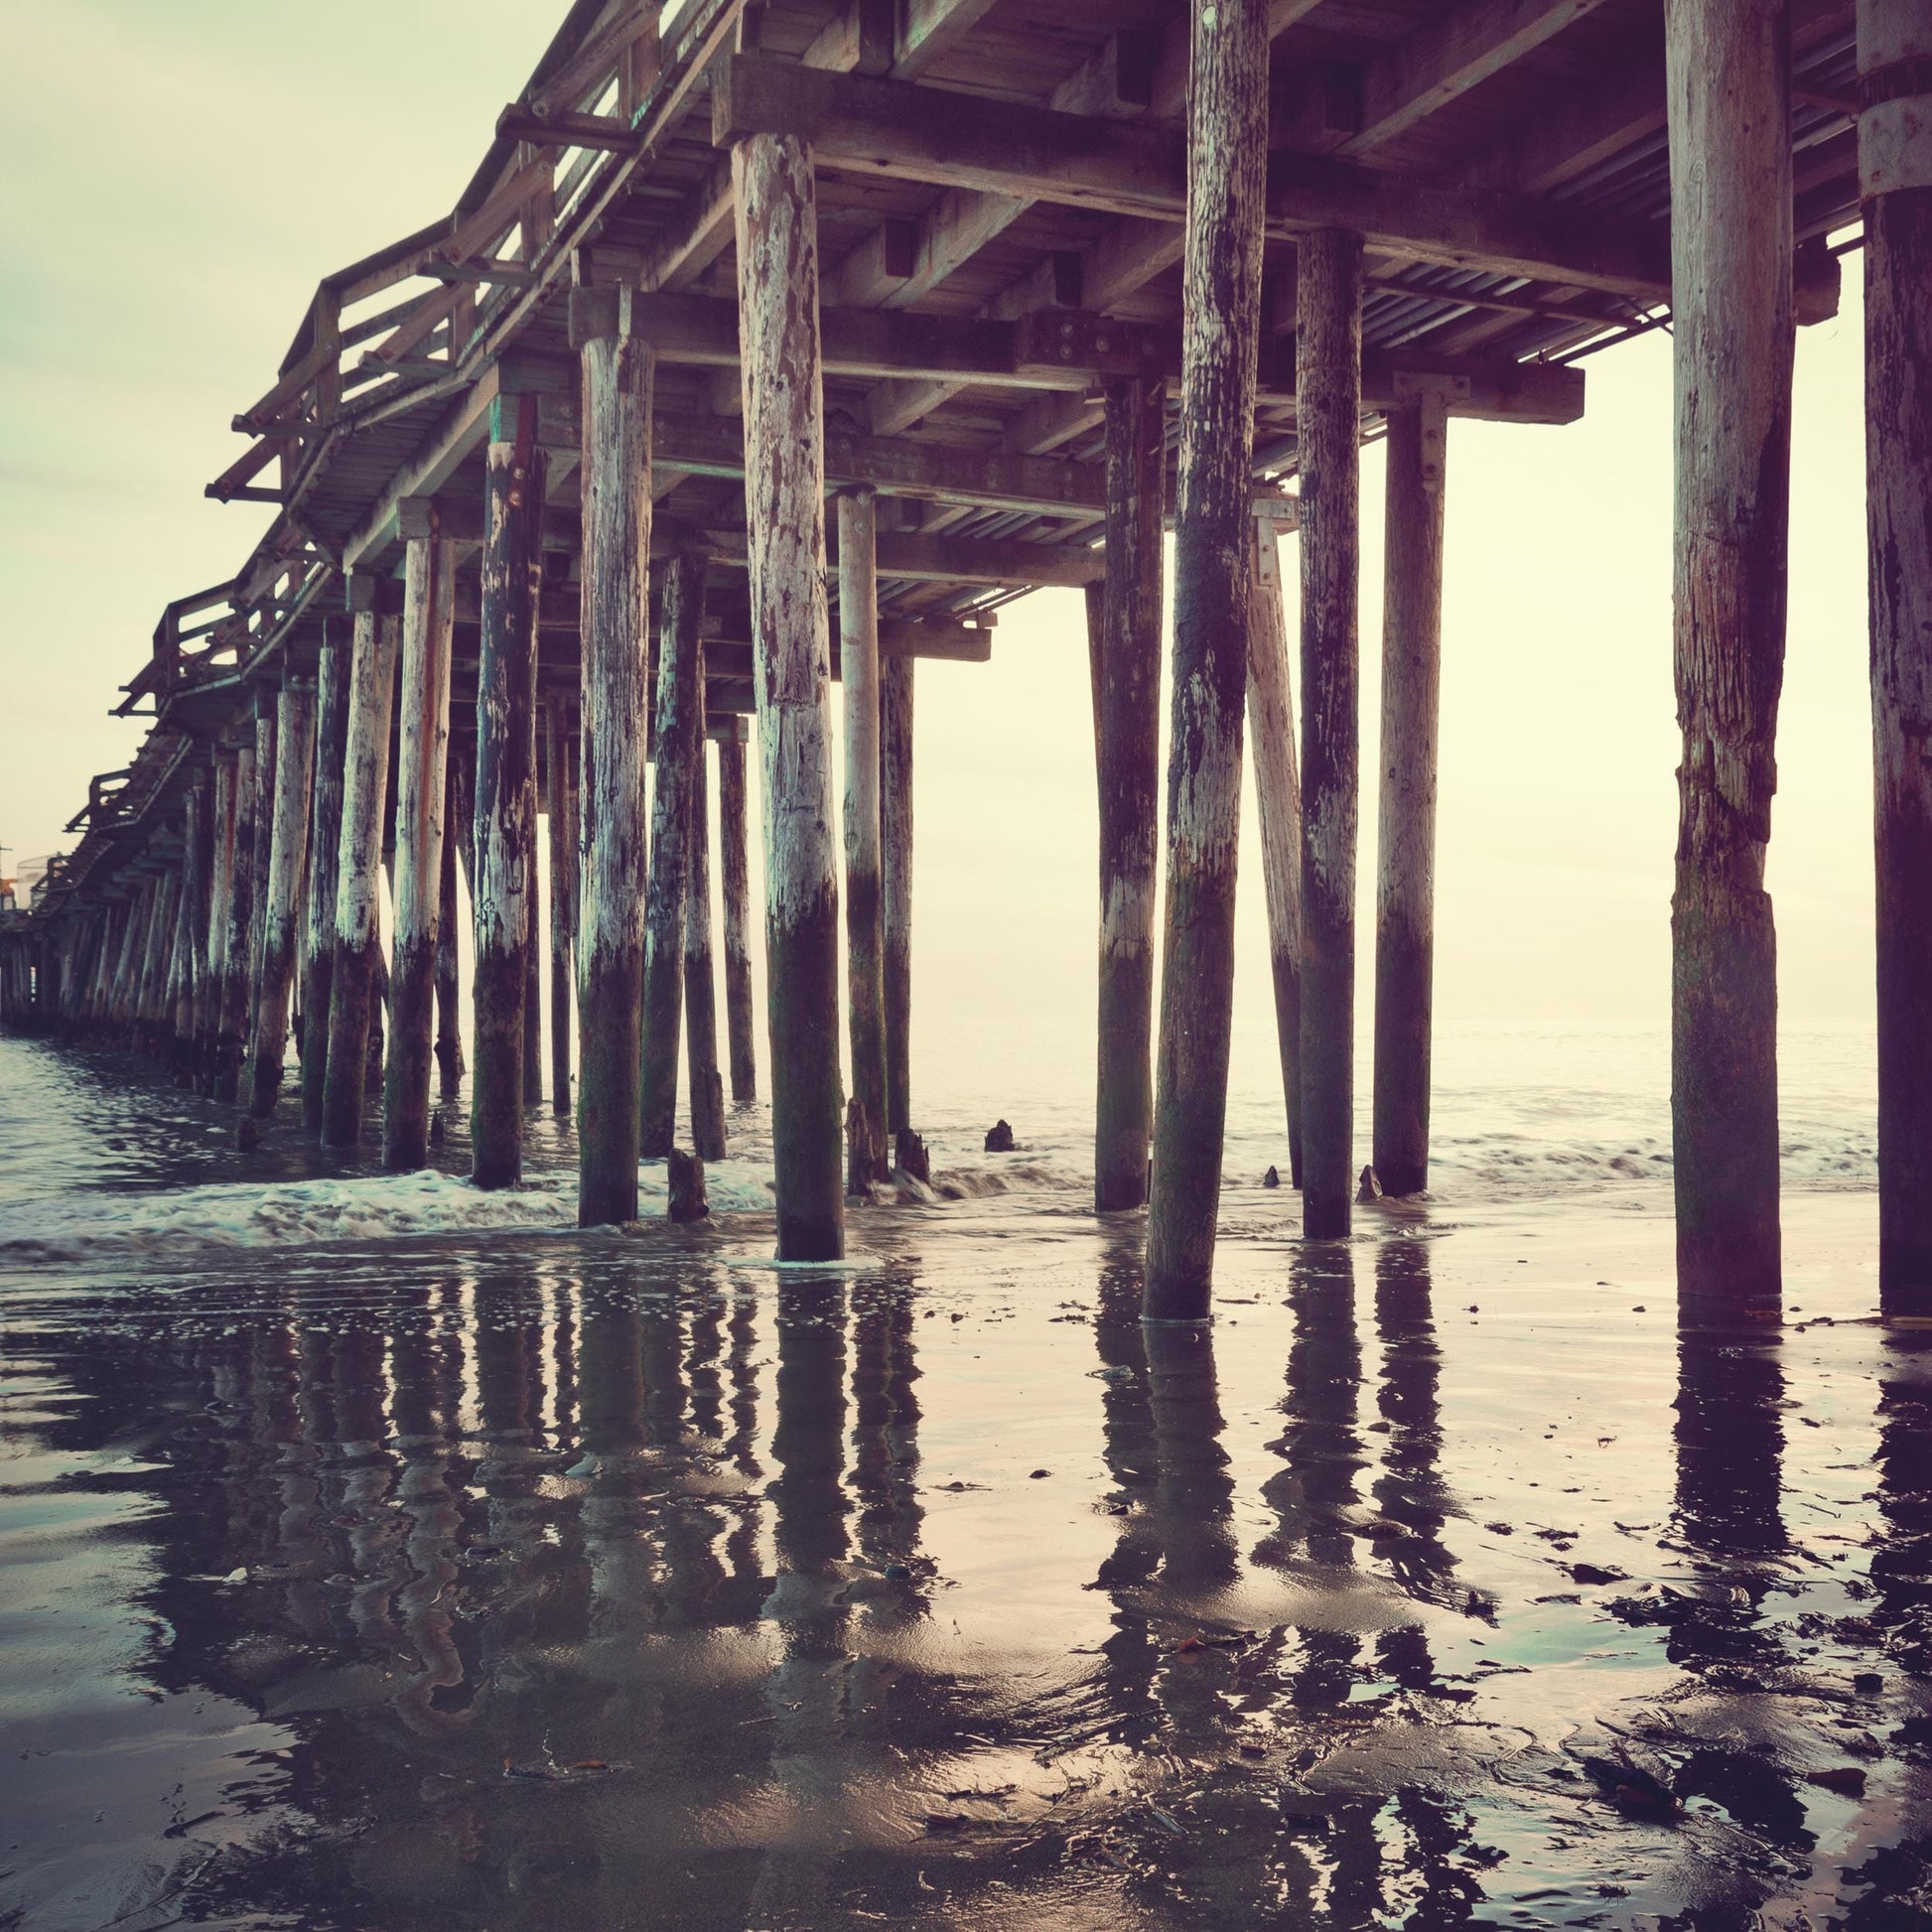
point(185, 173)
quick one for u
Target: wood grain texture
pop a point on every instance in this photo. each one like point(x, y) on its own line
point(617, 374)
point(1277, 809)
point(295, 756)
point(680, 728)
point(324, 853)
point(1895, 139)
point(1328, 361)
point(1728, 90)
point(895, 884)
point(373, 676)
point(1127, 719)
point(505, 810)
point(735, 862)
point(784, 502)
point(422, 788)
point(560, 806)
point(1227, 132)
point(1405, 905)
point(865, 961)
point(701, 1078)
point(240, 919)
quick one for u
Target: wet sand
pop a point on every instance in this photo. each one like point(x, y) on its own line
point(625, 1580)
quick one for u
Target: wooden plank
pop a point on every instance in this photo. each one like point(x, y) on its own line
point(884, 127)
point(929, 30)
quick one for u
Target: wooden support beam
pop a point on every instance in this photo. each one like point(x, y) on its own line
point(533, 933)
point(1277, 809)
point(288, 835)
point(786, 470)
point(895, 689)
point(701, 1080)
point(1449, 54)
point(240, 911)
point(266, 746)
point(561, 807)
point(357, 939)
point(422, 788)
point(208, 1005)
point(1329, 338)
point(506, 797)
point(867, 126)
point(1227, 139)
point(1732, 346)
point(866, 1159)
point(734, 856)
point(1128, 751)
point(326, 824)
point(1405, 844)
point(1895, 142)
point(680, 729)
point(929, 30)
point(449, 999)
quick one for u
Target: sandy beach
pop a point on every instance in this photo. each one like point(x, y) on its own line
point(498, 1577)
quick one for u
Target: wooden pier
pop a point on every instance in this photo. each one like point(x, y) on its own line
point(777, 346)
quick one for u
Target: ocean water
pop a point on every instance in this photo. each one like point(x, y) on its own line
point(379, 1556)
point(95, 1157)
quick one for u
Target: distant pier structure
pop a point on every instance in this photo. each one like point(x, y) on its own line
point(776, 347)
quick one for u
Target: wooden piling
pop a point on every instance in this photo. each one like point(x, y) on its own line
point(207, 1003)
point(784, 504)
point(1227, 140)
point(1328, 405)
point(563, 871)
point(288, 841)
point(422, 788)
point(865, 965)
point(616, 371)
point(1405, 844)
point(1895, 183)
point(267, 698)
point(895, 826)
point(1127, 746)
point(735, 862)
point(1277, 809)
point(358, 941)
point(241, 920)
point(701, 1077)
point(449, 999)
point(1727, 73)
point(506, 796)
point(680, 726)
point(196, 866)
point(324, 853)
point(535, 941)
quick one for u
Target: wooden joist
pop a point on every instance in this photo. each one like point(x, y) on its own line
point(883, 127)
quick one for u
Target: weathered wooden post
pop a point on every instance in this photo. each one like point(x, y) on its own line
point(1728, 68)
point(784, 505)
point(324, 853)
point(1895, 182)
point(735, 860)
point(1327, 415)
point(680, 729)
point(196, 867)
point(505, 802)
point(705, 1088)
point(208, 1003)
point(1277, 806)
point(563, 868)
point(266, 718)
point(422, 788)
point(895, 826)
point(1405, 918)
point(1127, 741)
point(535, 940)
point(449, 999)
point(240, 911)
point(865, 965)
point(1227, 142)
point(357, 939)
point(288, 841)
point(616, 369)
